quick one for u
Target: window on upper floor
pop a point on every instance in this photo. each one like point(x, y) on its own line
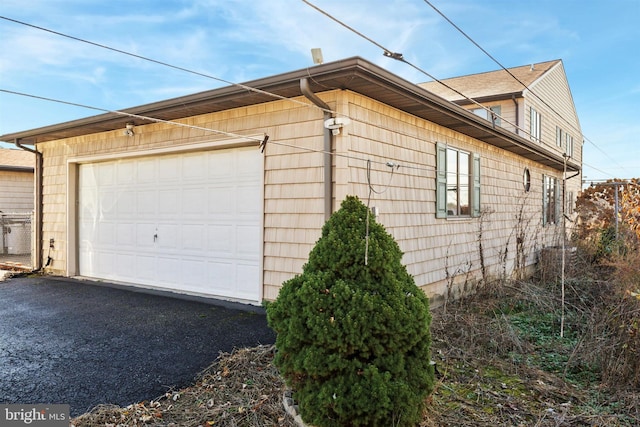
point(458, 182)
point(493, 114)
point(535, 125)
point(550, 200)
point(559, 136)
point(569, 145)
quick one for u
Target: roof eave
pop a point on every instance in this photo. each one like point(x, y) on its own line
point(355, 74)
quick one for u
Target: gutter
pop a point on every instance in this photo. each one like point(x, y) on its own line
point(328, 140)
point(576, 174)
point(515, 101)
point(38, 205)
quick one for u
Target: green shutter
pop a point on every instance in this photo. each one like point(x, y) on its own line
point(545, 192)
point(441, 180)
point(558, 204)
point(475, 172)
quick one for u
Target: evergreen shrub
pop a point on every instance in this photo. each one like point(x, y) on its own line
point(353, 340)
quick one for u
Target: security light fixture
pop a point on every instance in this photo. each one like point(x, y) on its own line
point(129, 129)
point(316, 54)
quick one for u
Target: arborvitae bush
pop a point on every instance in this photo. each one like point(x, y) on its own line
point(353, 340)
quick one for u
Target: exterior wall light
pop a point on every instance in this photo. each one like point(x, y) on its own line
point(129, 129)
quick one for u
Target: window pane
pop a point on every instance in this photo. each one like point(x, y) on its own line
point(463, 183)
point(481, 112)
point(498, 111)
point(452, 182)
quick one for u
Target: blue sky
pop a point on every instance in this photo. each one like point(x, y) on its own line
point(241, 40)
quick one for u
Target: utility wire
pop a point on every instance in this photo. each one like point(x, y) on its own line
point(421, 168)
point(137, 116)
point(518, 80)
point(387, 52)
point(155, 61)
point(417, 167)
point(399, 57)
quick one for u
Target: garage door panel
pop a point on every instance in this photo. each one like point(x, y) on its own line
point(169, 271)
point(105, 174)
point(145, 268)
point(126, 235)
point(221, 275)
point(222, 166)
point(169, 202)
point(146, 170)
point(187, 222)
point(194, 167)
point(194, 273)
point(106, 233)
point(246, 244)
point(246, 274)
point(194, 201)
point(126, 202)
point(245, 209)
point(168, 237)
point(193, 237)
point(147, 202)
point(125, 261)
point(125, 172)
point(105, 263)
point(220, 239)
point(221, 200)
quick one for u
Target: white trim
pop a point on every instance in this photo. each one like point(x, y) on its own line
point(172, 149)
point(72, 265)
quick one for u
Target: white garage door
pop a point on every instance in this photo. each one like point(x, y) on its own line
point(186, 222)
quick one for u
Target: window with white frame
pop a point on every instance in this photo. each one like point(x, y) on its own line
point(559, 137)
point(569, 145)
point(535, 125)
point(492, 114)
point(458, 182)
point(550, 200)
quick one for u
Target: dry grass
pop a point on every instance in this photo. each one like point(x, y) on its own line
point(498, 359)
point(240, 389)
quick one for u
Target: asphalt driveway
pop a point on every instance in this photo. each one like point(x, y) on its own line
point(72, 342)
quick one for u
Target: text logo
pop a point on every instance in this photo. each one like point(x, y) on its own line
point(34, 415)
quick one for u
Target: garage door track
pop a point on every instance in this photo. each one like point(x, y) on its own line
point(71, 342)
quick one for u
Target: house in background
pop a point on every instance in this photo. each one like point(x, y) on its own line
point(534, 101)
point(189, 195)
point(16, 206)
point(16, 181)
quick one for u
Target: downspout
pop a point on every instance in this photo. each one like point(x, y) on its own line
point(515, 101)
point(576, 174)
point(328, 139)
point(38, 204)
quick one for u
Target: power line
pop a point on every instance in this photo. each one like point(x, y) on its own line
point(399, 57)
point(419, 168)
point(136, 116)
point(517, 79)
point(423, 168)
point(249, 88)
point(387, 52)
point(155, 61)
